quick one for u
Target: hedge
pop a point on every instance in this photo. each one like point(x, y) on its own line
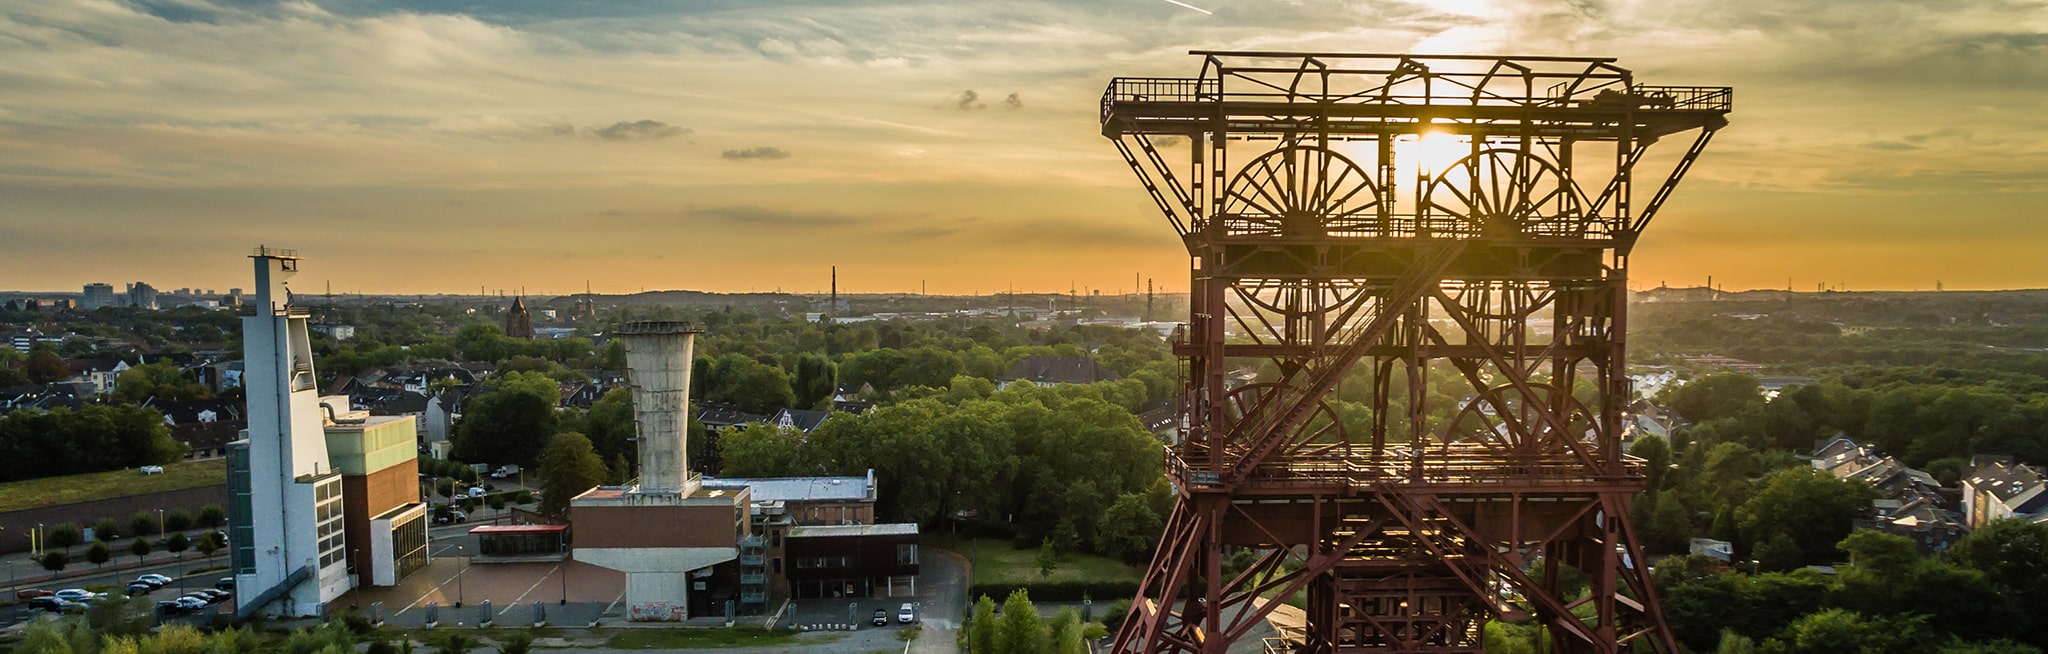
point(1059, 591)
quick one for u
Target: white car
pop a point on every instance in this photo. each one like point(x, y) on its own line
point(77, 594)
point(907, 614)
point(190, 603)
point(152, 470)
point(157, 580)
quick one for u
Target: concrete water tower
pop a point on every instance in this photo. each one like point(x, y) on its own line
point(665, 531)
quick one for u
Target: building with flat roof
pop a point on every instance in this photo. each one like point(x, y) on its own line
point(827, 561)
point(384, 521)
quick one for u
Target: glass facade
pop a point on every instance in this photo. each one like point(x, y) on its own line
point(241, 529)
point(409, 541)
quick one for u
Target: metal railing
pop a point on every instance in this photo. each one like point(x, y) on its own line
point(1158, 89)
point(753, 578)
point(753, 559)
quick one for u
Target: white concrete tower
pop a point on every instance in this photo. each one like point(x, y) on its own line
point(666, 528)
point(284, 494)
point(658, 356)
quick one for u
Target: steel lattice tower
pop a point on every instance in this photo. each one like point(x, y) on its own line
point(1458, 218)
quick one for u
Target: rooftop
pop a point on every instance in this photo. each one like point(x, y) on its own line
point(801, 489)
point(828, 531)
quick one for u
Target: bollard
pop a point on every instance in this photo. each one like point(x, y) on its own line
point(433, 615)
point(484, 614)
point(377, 614)
point(540, 614)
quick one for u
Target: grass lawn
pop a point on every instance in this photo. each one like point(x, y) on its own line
point(32, 493)
point(705, 638)
point(995, 562)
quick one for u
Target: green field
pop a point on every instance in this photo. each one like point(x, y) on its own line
point(996, 562)
point(33, 493)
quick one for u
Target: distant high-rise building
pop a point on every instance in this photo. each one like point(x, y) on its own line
point(142, 296)
point(519, 323)
point(97, 295)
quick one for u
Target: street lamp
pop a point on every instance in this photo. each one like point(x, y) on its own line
point(458, 576)
point(159, 524)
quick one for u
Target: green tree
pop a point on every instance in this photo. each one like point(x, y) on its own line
point(63, 536)
point(99, 553)
point(160, 380)
point(54, 560)
point(177, 543)
point(1722, 395)
point(1812, 507)
point(1656, 455)
point(611, 428)
point(45, 367)
point(1048, 558)
point(177, 520)
point(1779, 553)
point(1065, 632)
point(1022, 631)
point(814, 380)
point(511, 421)
point(212, 516)
point(567, 469)
point(1130, 529)
point(981, 629)
point(106, 529)
point(207, 546)
point(760, 449)
point(752, 386)
point(2013, 556)
point(140, 548)
point(143, 523)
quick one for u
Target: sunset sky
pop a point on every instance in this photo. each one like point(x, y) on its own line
point(735, 145)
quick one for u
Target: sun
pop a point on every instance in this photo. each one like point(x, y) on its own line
point(1429, 153)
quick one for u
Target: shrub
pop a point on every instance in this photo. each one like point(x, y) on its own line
point(1059, 591)
point(99, 553)
point(177, 520)
point(142, 523)
point(212, 516)
point(54, 560)
point(63, 536)
point(106, 529)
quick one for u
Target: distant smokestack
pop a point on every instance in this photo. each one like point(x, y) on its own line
point(658, 357)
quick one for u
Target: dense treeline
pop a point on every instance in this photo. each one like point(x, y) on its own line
point(1978, 598)
point(1064, 464)
point(90, 438)
point(1933, 418)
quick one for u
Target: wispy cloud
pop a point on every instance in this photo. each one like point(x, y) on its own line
point(748, 154)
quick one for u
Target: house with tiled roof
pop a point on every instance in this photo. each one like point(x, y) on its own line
point(2000, 490)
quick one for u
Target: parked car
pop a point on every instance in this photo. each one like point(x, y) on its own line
point(75, 594)
point(225, 583)
point(73, 607)
point(476, 491)
point(155, 579)
point(907, 614)
point(212, 595)
point(47, 602)
point(169, 607)
point(139, 588)
point(152, 470)
point(189, 603)
point(881, 617)
point(31, 593)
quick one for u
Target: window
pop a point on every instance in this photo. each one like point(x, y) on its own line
point(775, 565)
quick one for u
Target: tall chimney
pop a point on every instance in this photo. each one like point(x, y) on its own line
point(658, 357)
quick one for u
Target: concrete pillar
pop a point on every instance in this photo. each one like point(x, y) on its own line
point(658, 355)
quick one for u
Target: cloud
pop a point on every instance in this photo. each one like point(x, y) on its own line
point(1013, 102)
point(639, 130)
point(967, 100)
point(763, 152)
point(758, 216)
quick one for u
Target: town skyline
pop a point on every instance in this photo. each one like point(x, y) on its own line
point(429, 147)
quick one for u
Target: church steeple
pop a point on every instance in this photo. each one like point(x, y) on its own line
point(518, 323)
